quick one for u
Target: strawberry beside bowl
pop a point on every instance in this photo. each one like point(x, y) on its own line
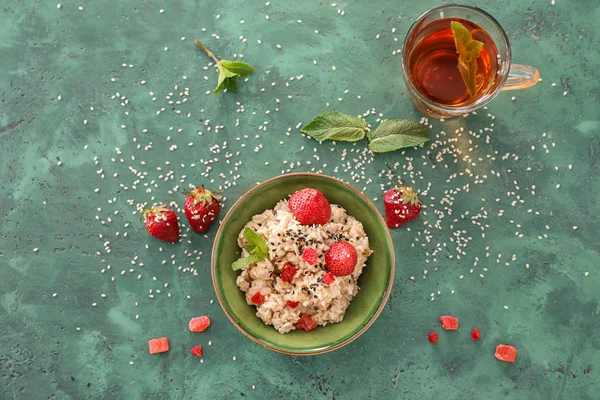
point(375, 282)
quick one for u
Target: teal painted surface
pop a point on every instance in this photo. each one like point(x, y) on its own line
point(552, 316)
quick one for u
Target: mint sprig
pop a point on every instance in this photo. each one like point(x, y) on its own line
point(256, 246)
point(389, 136)
point(468, 52)
point(228, 71)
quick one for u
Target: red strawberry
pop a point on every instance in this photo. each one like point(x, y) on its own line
point(306, 323)
point(202, 207)
point(506, 353)
point(292, 304)
point(475, 335)
point(449, 323)
point(341, 258)
point(161, 222)
point(401, 206)
point(310, 207)
point(288, 272)
point(433, 337)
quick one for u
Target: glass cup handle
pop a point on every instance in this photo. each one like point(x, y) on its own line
point(521, 77)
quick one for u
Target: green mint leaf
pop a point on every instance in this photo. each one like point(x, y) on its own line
point(396, 134)
point(231, 84)
point(255, 242)
point(462, 37)
point(237, 67)
point(468, 70)
point(224, 76)
point(474, 49)
point(468, 52)
point(243, 261)
point(256, 247)
point(333, 125)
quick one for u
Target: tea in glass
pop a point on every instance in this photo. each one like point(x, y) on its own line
point(433, 63)
point(457, 58)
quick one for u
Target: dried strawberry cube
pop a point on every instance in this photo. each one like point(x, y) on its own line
point(506, 353)
point(328, 278)
point(475, 335)
point(288, 272)
point(258, 298)
point(310, 255)
point(306, 323)
point(160, 345)
point(292, 304)
point(449, 323)
point(197, 351)
point(199, 324)
point(433, 337)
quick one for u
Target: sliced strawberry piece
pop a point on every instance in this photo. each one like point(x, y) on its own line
point(199, 324)
point(292, 304)
point(475, 335)
point(306, 323)
point(197, 351)
point(288, 272)
point(310, 255)
point(160, 345)
point(506, 353)
point(433, 337)
point(449, 323)
point(258, 298)
point(328, 278)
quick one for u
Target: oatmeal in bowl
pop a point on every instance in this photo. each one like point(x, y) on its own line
point(274, 252)
point(310, 274)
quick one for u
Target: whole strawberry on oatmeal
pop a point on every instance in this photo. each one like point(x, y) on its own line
point(301, 261)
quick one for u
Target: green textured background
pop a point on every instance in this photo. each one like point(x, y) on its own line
point(47, 52)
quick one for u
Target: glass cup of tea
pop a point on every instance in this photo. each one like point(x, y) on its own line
point(430, 62)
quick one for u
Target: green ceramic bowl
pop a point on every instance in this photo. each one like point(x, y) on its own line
point(375, 281)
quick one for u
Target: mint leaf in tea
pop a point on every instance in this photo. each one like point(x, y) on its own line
point(468, 51)
point(452, 62)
